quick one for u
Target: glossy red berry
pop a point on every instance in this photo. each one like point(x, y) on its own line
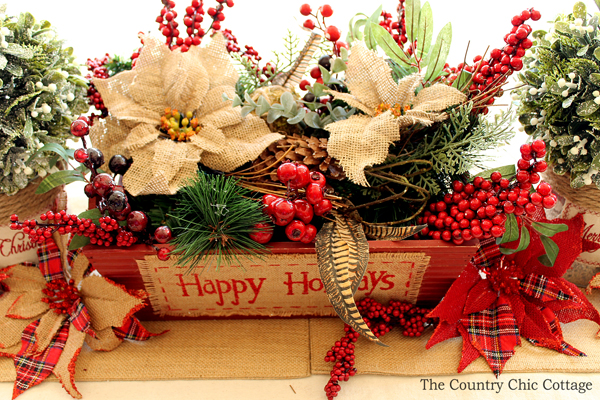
point(544, 189)
point(326, 11)
point(162, 234)
point(535, 15)
point(322, 207)
point(497, 231)
point(286, 172)
point(284, 210)
point(81, 155)
point(302, 177)
point(309, 24)
point(314, 193)
point(103, 184)
point(304, 84)
point(262, 233)
point(303, 210)
point(268, 201)
point(79, 128)
point(538, 146)
point(332, 33)
point(315, 72)
point(309, 234)
point(163, 254)
point(137, 221)
point(295, 230)
point(318, 178)
point(549, 201)
point(305, 9)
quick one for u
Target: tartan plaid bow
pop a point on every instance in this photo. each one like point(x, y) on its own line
point(51, 341)
point(492, 314)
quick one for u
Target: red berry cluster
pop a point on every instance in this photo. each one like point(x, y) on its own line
point(60, 295)
point(396, 27)
point(381, 320)
point(331, 32)
point(489, 75)
point(194, 16)
point(478, 209)
point(98, 70)
point(294, 212)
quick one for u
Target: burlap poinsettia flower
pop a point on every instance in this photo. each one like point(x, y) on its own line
point(46, 317)
point(363, 140)
point(194, 81)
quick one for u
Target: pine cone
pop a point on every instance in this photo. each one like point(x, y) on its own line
point(310, 151)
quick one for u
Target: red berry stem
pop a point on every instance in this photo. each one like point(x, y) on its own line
point(380, 319)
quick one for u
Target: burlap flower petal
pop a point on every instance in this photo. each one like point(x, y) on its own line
point(233, 146)
point(161, 167)
point(23, 301)
point(140, 136)
point(361, 141)
point(109, 304)
point(217, 112)
point(10, 332)
point(108, 135)
point(217, 62)
point(65, 367)
point(438, 97)
point(50, 323)
point(185, 79)
point(352, 101)
point(105, 340)
point(405, 91)
point(138, 95)
point(369, 78)
point(79, 268)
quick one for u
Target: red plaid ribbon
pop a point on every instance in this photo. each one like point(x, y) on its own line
point(80, 318)
point(494, 332)
point(133, 330)
point(32, 368)
point(50, 263)
point(541, 288)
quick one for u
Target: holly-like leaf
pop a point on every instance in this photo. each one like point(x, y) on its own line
point(523, 243)
point(512, 230)
point(549, 230)
point(412, 14)
point(52, 147)
point(94, 214)
point(338, 66)
point(78, 242)
point(436, 59)
point(59, 178)
point(425, 34)
point(507, 171)
point(389, 46)
point(551, 249)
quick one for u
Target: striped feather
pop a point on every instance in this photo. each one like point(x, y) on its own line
point(333, 255)
point(381, 232)
point(352, 233)
point(294, 75)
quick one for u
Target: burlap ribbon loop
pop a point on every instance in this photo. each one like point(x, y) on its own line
point(359, 143)
point(193, 81)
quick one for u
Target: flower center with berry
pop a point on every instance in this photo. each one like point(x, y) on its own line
point(505, 277)
point(60, 295)
point(177, 126)
point(397, 109)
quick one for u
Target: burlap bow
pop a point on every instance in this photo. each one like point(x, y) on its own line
point(363, 140)
point(192, 81)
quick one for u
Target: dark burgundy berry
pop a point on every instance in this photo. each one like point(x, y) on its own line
point(118, 164)
point(325, 62)
point(103, 184)
point(309, 97)
point(137, 221)
point(117, 201)
point(96, 157)
point(89, 191)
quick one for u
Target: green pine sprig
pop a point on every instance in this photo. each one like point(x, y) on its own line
point(215, 217)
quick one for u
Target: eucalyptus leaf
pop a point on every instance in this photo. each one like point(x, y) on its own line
point(78, 242)
point(287, 100)
point(319, 89)
point(439, 53)
point(597, 3)
point(547, 229)
point(273, 115)
point(338, 66)
point(277, 107)
point(551, 249)
point(237, 101)
point(263, 106)
point(249, 99)
point(582, 51)
point(325, 74)
point(412, 9)
point(313, 120)
point(57, 179)
point(355, 30)
point(299, 117)
point(512, 229)
point(247, 110)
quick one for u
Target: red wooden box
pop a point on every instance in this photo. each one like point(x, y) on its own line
point(445, 262)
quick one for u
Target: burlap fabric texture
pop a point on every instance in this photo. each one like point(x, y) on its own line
point(587, 197)
point(26, 204)
point(192, 81)
point(363, 140)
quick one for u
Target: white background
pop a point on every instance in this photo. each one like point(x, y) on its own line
point(94, 28)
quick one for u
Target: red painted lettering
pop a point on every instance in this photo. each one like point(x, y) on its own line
point(222, 291)
point(236, 291)
point(183, 285)
point(291, 283)
point(255, 289)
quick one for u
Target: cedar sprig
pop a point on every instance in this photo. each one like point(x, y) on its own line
point(215, 217)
